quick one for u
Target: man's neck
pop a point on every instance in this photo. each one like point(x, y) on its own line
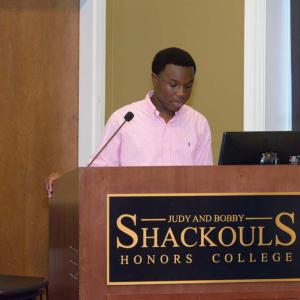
point(164, 114)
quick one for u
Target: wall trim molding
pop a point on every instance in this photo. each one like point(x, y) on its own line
point(254, 64)
point(92, 60)
point(267, 66)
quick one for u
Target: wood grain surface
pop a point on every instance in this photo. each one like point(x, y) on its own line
point(38, 115)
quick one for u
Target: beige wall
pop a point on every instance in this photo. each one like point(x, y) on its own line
point(211, 30)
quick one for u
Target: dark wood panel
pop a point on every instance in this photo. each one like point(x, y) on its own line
point(38, 113)
point(64, 240)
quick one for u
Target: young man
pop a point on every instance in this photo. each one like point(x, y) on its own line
point(164, 131)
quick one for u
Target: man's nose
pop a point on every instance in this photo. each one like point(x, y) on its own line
point(180, 91)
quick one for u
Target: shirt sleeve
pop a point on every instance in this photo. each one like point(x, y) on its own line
point(110, 156)
point(204, 155)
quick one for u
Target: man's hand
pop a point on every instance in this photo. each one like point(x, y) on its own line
point(49, 183)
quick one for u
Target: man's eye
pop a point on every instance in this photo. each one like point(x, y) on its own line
point(173, 85)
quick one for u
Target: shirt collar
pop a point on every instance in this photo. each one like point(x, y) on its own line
point(150, 105)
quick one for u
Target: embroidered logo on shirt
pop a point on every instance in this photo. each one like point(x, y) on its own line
point(189, 144)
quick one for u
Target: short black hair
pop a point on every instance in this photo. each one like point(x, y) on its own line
point(174, 56)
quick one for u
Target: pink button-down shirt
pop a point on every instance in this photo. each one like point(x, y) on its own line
point(147, 140)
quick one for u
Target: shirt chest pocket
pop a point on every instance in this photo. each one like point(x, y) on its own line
point(184, 149)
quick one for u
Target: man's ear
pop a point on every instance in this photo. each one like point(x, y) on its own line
point(154, 78)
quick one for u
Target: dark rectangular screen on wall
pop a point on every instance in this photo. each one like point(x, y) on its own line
point(295, 55)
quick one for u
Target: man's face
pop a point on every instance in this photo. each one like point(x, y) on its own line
point(172, 88)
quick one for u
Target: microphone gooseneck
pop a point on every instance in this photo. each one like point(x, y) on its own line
point(128, 117)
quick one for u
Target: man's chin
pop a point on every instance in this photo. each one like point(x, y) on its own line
point(176, 108)
point(177, 105)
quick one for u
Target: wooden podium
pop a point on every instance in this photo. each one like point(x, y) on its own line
point(78, 267)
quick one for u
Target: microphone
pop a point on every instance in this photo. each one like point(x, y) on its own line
point(128, 117)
